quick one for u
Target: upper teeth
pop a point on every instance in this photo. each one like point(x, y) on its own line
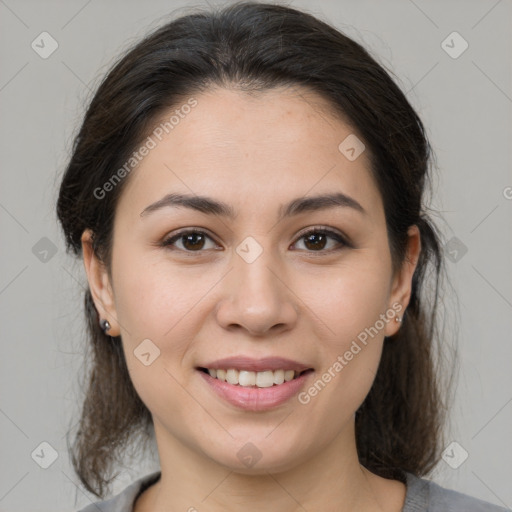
point(259, 379)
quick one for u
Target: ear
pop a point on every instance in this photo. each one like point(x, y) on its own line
point(99, 284)
point(402, 282)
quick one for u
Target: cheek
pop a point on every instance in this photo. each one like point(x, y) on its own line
point(152, 300)
point(350, 304)
point(161, 307)
point(348, 299)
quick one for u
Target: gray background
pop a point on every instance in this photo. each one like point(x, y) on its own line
point(466, 104)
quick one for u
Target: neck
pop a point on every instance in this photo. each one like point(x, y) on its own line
point(190, 481)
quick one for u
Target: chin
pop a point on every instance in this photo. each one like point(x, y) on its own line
point(258, 454)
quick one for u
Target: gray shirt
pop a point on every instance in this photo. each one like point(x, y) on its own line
point(422, 496)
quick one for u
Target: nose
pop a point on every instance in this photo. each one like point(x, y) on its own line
point(257, 298)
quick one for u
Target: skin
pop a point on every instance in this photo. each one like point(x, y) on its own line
point(254, 153)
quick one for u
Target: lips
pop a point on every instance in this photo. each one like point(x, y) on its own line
point(265, 393)
point(256, 365)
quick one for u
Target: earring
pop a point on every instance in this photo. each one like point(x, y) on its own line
point(398, 319)
point(105, 325)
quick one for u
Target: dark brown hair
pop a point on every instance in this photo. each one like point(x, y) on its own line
point(256, 47)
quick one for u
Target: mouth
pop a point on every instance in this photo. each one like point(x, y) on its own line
point(251, 390)
point(254, 384)
point(253, 379)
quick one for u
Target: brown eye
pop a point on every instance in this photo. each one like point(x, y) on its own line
point(317, 239)
point(191, 240)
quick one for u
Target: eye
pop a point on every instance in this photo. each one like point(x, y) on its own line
point(316, 239)
point(194, 240)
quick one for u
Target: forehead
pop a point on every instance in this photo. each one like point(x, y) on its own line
point(251, 150)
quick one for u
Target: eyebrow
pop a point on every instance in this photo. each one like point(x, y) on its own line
point(212, 206)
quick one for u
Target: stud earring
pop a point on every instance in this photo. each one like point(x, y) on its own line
point(398, 319)
point(105, 325)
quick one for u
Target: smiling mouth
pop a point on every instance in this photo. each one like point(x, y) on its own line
point(251, 379)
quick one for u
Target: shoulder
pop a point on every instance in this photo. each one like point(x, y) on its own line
point(424, 495)
point(124, 501)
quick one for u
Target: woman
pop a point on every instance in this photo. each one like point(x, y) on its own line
point(246, 192)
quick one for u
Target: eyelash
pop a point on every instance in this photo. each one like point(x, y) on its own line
point(168, 242)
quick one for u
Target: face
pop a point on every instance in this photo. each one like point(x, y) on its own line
point(312, 285)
